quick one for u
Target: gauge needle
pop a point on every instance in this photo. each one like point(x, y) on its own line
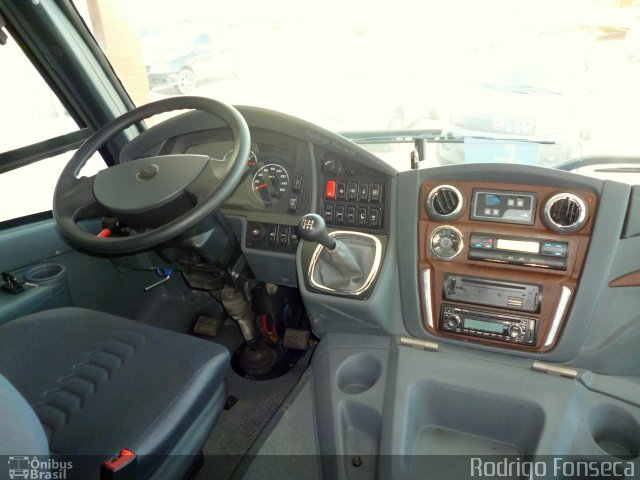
point(260, 186)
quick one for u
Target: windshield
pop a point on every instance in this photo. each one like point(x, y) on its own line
point(513, 81)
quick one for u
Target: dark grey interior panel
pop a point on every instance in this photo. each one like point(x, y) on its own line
point(113, 285)
point(459, 401)
point(380, 313)
point(610, 341)
point(632, 225)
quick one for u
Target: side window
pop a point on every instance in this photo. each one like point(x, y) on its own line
point(29, 113)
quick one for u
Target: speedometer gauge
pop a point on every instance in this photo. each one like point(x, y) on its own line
point(270, 183)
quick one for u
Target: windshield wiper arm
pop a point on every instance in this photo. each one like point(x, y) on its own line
point(592, 160)
point(391, 136)
point(435, 136)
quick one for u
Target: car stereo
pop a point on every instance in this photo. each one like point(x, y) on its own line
point(489, 325)
point(531, 252)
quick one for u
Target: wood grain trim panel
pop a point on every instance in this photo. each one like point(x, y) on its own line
point(629, 280)
point(552, 281)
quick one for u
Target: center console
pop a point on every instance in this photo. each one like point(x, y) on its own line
point(499, 263)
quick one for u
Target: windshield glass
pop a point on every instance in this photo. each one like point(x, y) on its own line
point(536, 82)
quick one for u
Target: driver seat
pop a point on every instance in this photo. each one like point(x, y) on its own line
point(99, 384)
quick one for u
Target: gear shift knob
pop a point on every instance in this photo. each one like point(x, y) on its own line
point(313, 229)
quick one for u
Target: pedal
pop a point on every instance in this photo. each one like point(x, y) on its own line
point(296, 339)
point(207, 326)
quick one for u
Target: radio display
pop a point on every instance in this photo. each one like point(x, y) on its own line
point(518, 246)
point(482, 325)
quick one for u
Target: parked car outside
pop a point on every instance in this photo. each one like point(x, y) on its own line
point(522, 89)
point(180, 56)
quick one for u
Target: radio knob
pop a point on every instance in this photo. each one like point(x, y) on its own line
point(453, 321)
point(516, 331)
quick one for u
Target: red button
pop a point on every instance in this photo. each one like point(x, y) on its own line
point(331, 189)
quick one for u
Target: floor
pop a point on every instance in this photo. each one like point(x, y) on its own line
point(239, 427)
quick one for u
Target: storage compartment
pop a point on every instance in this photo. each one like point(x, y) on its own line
point(443, 419)
point(358, 373)
point(615, 431)
point(44, 273)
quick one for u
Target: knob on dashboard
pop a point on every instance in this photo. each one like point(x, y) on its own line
point(446, 242)
point(516, 331)
point(453, 321)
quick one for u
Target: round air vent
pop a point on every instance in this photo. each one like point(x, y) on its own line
point(565, 212)
point(445, 202)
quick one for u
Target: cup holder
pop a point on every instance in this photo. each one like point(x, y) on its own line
point(47, 272)
point(358, 373)
point(615, 431)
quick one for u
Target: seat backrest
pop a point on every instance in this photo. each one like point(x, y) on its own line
point(20, 430)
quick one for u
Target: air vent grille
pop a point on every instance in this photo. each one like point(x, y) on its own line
point(565, 212)
point(445, 202)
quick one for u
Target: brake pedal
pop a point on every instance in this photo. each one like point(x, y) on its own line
point(207, 326)
point(296, 339)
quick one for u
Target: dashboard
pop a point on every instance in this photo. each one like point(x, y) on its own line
point(499, 263)
point(521, 260)
point(294, 168)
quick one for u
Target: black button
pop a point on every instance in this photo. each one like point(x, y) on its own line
point(339, 214)
point(297, 183)
point(375, 194)
point(362, 217)
point(374, 217)
point(293, 203)
point(293, 236)
point(328, 213)
point(352, 191)
point(341, 191)
point(363, 192)
point(351, 215)
point(283, 234)
point(273, 233)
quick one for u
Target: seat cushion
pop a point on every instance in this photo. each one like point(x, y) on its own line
point(101, 383)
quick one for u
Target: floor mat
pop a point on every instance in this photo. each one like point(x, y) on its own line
point(239, 427)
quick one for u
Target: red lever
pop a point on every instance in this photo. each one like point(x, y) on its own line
point(123, 459)
point(105, 233)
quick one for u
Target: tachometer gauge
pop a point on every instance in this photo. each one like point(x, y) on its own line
point(270, 183)
point(252, 161)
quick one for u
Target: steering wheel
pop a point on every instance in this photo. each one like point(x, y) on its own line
point(160, 197)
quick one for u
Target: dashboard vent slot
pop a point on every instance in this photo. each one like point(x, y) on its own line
point(565, 212)
point(445, 202)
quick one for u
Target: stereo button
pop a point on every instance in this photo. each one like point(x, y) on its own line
point(516, 332)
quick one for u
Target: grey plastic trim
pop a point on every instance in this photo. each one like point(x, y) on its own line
point(563, 303)
point(426, 294)
point(375, 268)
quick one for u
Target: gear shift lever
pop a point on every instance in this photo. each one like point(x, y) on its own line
point(312, 228)
point(337, 264)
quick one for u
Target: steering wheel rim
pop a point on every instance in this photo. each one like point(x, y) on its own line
point(75, 198)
